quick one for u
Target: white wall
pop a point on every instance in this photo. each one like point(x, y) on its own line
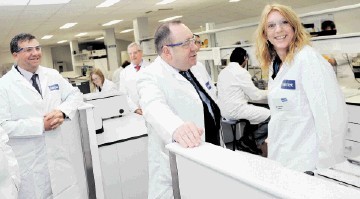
point(121, 46)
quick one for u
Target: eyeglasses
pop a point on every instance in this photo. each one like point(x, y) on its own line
point(282, 24)
point(184, 44)
point(29, 49)
point(198, 42)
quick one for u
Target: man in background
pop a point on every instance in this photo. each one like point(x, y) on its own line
point(129, 76)
point(34, 101)
point(235, 89)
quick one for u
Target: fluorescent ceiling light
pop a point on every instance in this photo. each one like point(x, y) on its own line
point(31, 2)
point(163, 2)
point(68, 25)
point(13, 2)
point(127, 30)
point(81, 34)
point(232, 1)
point(99, 38)
point(47, 36)
point(107, 3)
point(170, 18)
point(111, 22)
point(47, 2)
point(62, 41)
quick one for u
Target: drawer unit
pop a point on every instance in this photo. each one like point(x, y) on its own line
point(353, 132)
point(352, 149)
point(354, 113)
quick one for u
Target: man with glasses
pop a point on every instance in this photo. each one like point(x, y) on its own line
point(178, 104)
point(34, 101)
point(129, 75)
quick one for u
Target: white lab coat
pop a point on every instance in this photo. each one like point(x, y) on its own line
point(116, 76)
point(9, 169)
point(235, 88)
point(42, 159)
point(107, 86)
point(167, 100)
point(308, 114)
point(128, 78)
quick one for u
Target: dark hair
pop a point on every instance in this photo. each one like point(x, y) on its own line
point(125, 63)
point(328, 23)
point(14, 47)
point(238, 55)
point(162, 35)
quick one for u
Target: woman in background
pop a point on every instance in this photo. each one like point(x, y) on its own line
point(100, 83)
point(308, 110)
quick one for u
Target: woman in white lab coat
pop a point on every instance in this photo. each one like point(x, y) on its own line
point(100, 83)
point(308, 111)
point(9, 169)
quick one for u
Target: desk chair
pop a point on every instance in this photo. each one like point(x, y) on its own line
point(233, 124)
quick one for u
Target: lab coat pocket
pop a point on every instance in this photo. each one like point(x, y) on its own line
point(287, 100)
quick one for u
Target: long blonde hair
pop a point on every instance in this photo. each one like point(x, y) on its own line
point(265, 51)
point(98, 72)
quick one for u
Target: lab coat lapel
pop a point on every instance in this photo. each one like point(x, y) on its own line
point(202, 83)
point(43, 82)
point(20, 79)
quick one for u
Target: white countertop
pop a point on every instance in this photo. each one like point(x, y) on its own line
point(263, 174)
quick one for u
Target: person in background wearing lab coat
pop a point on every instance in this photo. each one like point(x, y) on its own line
point(100, 83)
point(308, 110)
point(129, 76)
point(235, 88)
point(9, 169)
point(34, 100)
point(116, 74)
point(176, 107)
point(201, 70)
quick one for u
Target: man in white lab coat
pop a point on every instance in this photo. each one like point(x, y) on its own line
point(177, 107)
point(34, 101)
point(129, 76)
point(9, 169)
point(235, 88)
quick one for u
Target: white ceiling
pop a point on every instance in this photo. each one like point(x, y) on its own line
point(46, 19)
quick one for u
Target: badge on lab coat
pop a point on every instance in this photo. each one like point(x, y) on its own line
point(54, 87)
point(208, 85)
point(288, 84)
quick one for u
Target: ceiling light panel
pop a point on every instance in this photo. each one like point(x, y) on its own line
point(170, 18)
point(127, 30)
point(68, 25)
point(164, 2)
point(111, 22)
point(99, 38)
point(62, 41)
point(107, 3)
point(81, 34)
point(48, 2)
point(47, 37)
point(13, 2)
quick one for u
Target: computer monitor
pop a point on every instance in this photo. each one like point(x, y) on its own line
point(83, 86)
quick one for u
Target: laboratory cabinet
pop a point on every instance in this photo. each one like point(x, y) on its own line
point(352, 136)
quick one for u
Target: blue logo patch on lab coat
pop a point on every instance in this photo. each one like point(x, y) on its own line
point(288, 84)
point(54, 87)
point(208, 85)
point(283, 100)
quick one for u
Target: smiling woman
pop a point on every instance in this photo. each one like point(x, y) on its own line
point(308, 111)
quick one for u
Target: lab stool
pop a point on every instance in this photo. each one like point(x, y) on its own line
point(233, 124)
